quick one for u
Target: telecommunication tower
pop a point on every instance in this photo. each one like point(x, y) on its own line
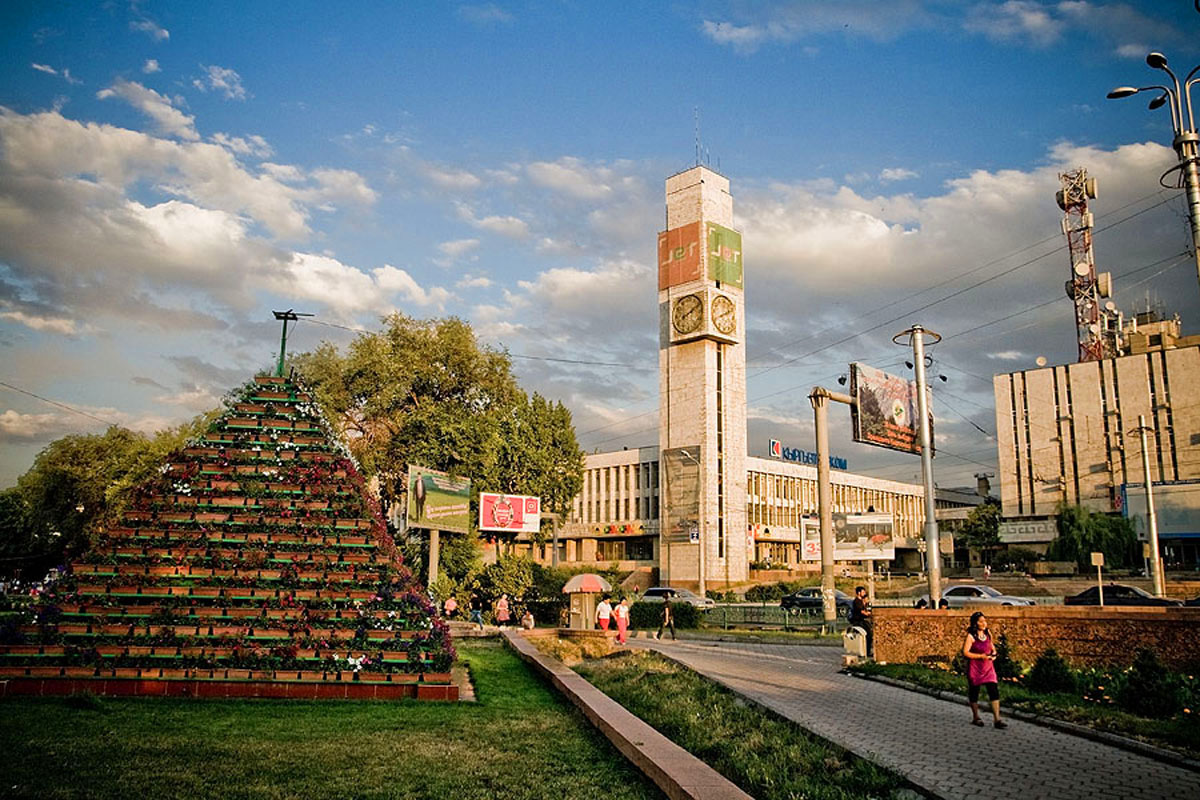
point(1086, 287)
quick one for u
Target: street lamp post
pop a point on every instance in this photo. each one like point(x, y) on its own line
point(1178, 96)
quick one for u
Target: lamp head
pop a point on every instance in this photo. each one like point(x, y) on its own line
point(1158, 102)
point(1156, 61)
point(1121, 91)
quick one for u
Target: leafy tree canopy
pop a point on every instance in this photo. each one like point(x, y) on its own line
point(1082, 532)
point(426, 392)
point(982, 529)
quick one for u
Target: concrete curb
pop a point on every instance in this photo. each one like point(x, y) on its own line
point(1062, 726)
point(679, 774)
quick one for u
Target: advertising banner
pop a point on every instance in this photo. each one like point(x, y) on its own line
point(681, 467)
point(1176, 508)
point(885, 414)
point(856, 537)
point(679, 256)
point(438, 502)
point(724, 254)
point(517, 513)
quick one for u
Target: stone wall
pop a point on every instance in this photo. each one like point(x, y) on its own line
point(1084, 636)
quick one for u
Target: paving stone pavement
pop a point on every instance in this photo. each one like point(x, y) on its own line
point(929, 741)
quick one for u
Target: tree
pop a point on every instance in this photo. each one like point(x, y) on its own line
point(75, 484)
point(982, 529)
point(1082, 532)
point(426, 392)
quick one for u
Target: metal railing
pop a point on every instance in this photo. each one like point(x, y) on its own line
point(765, 616)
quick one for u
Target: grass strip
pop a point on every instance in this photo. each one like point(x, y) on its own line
point(764, 754)
point(520, 740)
point(1179, 734)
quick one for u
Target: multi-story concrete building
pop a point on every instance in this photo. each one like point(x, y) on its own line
point(1069, 434)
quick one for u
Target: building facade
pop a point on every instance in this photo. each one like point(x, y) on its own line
point(1069, 434)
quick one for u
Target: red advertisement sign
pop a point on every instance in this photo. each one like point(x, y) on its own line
point(509, 512)
point(679, 256)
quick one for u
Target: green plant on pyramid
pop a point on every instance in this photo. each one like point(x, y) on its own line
point(257, 554)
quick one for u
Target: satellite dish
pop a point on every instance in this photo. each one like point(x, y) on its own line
point(1082, 268)
point(1094, 328)
point(1110, 307)
point(1041, 361)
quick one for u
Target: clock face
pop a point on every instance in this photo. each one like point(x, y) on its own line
point(688, 313)
point(723, 314)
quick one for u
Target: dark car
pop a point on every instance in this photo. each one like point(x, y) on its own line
point(1116, 594)
point(809, 599)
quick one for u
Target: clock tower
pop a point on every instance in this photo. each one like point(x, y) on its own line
point(702, 386)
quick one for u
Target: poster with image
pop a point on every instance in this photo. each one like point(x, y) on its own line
point(885, 411)
point(437, 501)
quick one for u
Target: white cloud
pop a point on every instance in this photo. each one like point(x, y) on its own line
point(458, 247)
point(65, 74)
point(485, 14)
point(473, 282)
point(896, 174)
point(1019, 20)
point(744, 38)
point(67, 327)
point(458, 179)
point(253, 145)
point(1007, 355)
point(171, 121)
point(151, 66)
point(511, 227)
point(44, 68)
point(223, 80)
point(151, 28)
point(394, 280)
point(570, 176)
point(784, 23)
point(18, 427)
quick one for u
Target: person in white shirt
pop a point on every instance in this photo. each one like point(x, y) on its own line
point(604, 613)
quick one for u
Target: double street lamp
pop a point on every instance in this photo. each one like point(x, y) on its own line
point(1186, 143)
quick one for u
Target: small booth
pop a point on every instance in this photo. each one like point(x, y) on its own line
point(584, 592)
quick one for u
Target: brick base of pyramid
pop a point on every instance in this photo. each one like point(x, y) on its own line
point(256, 566)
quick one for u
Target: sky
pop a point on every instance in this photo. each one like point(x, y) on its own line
point(170, 173)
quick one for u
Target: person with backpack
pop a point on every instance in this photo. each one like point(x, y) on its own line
point(980, 652)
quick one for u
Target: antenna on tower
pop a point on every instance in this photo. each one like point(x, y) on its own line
point(696, 118)
point(1085, 287)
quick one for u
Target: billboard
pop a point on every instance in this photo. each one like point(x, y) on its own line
point(438, 502)
point(517, 513)
point(681, 467)
point(1176, 508)
point(885, 411)
point(856, 537)
point(724, 254)
point(679, 256)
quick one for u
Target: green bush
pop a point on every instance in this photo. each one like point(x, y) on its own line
point(1150, 689)
point(647, 616)
point(1006, 666)
point(1051, 673)
point(1014, 558)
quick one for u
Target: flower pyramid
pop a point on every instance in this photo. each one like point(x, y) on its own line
point(256, 565)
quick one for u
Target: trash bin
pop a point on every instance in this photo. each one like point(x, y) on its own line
point(854, 642)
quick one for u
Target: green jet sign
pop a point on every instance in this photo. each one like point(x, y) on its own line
point(724, 254)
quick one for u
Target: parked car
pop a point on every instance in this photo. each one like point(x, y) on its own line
point(809, 599)
point(970, 594)
point(658, 594)
point(1117, 594)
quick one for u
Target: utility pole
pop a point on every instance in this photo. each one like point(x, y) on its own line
point(916, 335)
point(820, 398)
point(285, 316)
point(1156, 576)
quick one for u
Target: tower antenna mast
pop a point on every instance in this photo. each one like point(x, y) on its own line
point(1085, 287)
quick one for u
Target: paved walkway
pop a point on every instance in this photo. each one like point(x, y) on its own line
point(928, 740)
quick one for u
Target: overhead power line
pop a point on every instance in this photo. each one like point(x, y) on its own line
point(63, 406)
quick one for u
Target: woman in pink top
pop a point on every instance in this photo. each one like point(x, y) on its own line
point(980, 653)
point(502, 612)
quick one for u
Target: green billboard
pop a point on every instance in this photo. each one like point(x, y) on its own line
point(438, 502)
point(724, 255)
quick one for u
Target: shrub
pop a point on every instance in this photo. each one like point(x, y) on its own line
point(1150, 689)
point(595, 647)
point(1051, 673)
point(647, 616)
point(767, 592)
point(1006, 666)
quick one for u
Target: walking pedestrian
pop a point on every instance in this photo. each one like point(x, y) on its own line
point(667, 620)
point(604, 613)
point(476, 606)
point(860, 616)
point(502, 613)
point(449, 607)
point(981, 672)
point(621, 612)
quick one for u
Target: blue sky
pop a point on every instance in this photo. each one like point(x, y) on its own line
point(172, 172)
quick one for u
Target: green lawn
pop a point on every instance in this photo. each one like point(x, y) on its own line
point(767, 756)
point(521, 740)
point(1182, 734)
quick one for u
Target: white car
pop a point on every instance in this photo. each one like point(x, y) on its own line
point(658, 594)
point(970, 594)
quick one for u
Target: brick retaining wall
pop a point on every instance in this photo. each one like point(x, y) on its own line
point(1084, 636)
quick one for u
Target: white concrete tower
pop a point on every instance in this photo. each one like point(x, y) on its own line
point(702, 386)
